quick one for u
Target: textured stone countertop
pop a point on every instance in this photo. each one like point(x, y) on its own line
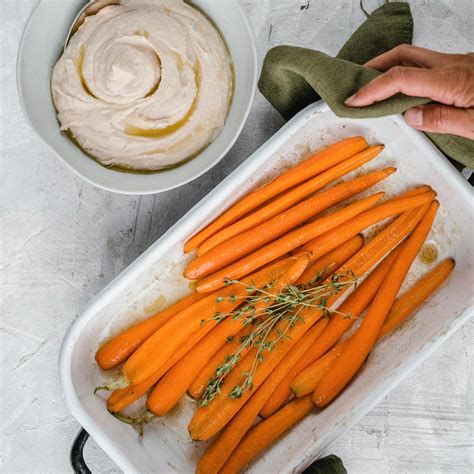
point(63, 240)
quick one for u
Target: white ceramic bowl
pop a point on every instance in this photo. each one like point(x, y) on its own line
point(40, 48)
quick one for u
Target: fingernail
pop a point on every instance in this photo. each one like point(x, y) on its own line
point(350, 99)
point(414, 117)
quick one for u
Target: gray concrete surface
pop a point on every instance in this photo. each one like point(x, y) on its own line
point(63, 240)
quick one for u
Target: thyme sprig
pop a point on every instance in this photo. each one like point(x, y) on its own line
point(272, 317)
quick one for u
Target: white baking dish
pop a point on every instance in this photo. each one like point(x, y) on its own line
point(166, 446)
point(41, 45)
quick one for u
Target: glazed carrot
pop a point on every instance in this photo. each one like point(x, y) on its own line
point(122, 346)
point(424, 188)
point(217, 454)
point(208, 420)
point(290, 198)
point(165, 342)
point(410, 301)
point(122, 398)
point(197, 387)
point(354, 305)
point(241, 245)
point(350, 361)
point(176, 381)
point(326, 242)
point(324, 266)
point(306, 381)
point(319, 162)
point(321, 269)
point(286, 243)
point(265, 433)
point(404, 306)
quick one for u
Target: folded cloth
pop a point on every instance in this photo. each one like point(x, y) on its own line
point(294, 77)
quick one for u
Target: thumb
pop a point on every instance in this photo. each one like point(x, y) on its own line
point(442, 119)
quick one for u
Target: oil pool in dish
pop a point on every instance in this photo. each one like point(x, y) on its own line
point(144, 85)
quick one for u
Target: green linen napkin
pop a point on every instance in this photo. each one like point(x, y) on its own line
point(329, 465)
point(294, 77)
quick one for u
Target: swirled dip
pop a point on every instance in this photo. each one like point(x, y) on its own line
point(144, 85)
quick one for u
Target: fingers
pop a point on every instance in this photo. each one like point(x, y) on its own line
point(406, 55)
point(442, 119)
point(449, 86)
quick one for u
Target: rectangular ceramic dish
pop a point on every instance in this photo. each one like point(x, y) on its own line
point(156, 276)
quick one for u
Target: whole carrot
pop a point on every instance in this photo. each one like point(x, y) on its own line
point(286, 243)
point(323, 243)
point(216, 455)
point(265, 433)
point(177, 380)
point(306, 381)
point(410, 301)
point(349, 362)
point(404, 306)
point(122, 398)
point(320, 245)
point(339, 322)
point(289, 198)
point(319, 271)
point(208, 420)
point(241, 245)
point(196, 389)
point(122, 346)
point(318, 163)
point(165, 342)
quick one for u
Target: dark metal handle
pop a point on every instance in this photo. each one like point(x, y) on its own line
point(77, 457)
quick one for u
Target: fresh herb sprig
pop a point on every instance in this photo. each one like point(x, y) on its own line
point(272, 317)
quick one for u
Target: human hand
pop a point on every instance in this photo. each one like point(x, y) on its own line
point(444, 78)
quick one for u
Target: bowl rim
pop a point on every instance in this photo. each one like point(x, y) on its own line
point(150, 189)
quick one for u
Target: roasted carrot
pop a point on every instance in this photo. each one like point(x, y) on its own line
point(410, 301)
point(165, 342)
point(319, 271)
point(208, 420)
point(290, 198)
point(339, 322)
point(265, 433)
point(306, 381)
point(324, 266)
point(422, 189)
point(350, 361)
point(122, 398)
point(177, 380)
point(318, 246)
point(319, 162)
point(216, 455)
point(286, 243)
point(326, 242)
point(243, 244)
point(122, 346)
point(198, 385)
